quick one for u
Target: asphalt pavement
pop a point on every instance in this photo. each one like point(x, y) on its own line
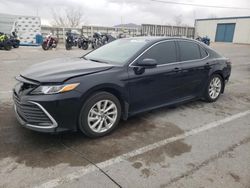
point(196, 144)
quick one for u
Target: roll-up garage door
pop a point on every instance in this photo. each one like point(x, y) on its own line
point(225, 32)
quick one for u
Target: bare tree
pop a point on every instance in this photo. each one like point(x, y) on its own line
point(178, 20)
point(68, 17)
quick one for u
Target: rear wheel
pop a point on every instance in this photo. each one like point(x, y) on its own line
point(214, 88)
point(16, 45)
point(100, 114)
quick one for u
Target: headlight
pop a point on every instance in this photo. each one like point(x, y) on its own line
point(53, 89)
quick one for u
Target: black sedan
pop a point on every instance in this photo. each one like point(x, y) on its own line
point(118, 80)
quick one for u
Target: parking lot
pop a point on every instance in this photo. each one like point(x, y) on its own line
point(196, 144)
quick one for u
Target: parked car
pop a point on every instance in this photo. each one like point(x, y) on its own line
point(116, 81)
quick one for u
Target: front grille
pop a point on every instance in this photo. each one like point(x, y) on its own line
point(31, 113)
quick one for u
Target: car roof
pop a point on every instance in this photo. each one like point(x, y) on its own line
point(160, 38)
point(154, 39)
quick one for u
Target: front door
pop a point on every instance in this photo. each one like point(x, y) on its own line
point(154, 87)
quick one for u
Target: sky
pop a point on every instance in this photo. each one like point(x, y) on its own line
point(113, 12)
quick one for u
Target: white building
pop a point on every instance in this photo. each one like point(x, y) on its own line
point(26, 27)
point(229, 29)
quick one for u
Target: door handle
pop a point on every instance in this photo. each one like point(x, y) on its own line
point(207, 66)
point(177, 69)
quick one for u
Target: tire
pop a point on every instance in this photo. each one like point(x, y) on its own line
point(68, 46)
point(44, 46)
point(16, 44)
point(214, 88)
point(7, 47)
point(89, 115)
point(85, 46)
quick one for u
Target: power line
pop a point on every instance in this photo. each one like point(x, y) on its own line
point(200, 5)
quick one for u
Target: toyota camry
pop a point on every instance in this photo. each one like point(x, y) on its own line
point(123, 78)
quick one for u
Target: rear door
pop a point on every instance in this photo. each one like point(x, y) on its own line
point(195, 67)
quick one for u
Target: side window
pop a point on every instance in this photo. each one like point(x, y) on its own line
point(189, 51)
point(203, 52)
point(163, 53)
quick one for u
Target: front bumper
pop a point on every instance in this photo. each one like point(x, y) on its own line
point(48, 113)
point(51, 127)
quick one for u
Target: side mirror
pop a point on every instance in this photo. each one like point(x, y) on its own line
point(147, 63)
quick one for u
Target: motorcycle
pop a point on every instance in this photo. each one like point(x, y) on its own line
point(50, 42)
point(205, 40)
point(14, 40)
point(83, 43)
point(100, 39)
point(5, 42)
point(71, 40)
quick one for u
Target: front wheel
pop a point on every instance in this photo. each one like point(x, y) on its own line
point(85, 46)
point(45, 46)
point(68, 46)
point(100, 114)
point(214, 88)
point(7, 47)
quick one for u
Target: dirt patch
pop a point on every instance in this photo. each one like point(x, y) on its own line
point(207, 161)
point(146, 172)
point(234, 176)
point(135, 133)
point(177, 148)
point(210, 179)
point(159, 155)
point(137, 165)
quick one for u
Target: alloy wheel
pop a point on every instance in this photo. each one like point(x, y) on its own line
point(215, 87)
point(102, 116)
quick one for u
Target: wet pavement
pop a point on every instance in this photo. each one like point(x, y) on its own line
point(218, 157)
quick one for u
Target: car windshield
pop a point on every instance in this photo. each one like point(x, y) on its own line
point(117, 52)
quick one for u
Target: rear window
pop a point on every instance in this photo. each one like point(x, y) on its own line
point(189, 50)
point(203, 52)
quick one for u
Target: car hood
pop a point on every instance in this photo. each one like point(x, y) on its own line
point(59, 70)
